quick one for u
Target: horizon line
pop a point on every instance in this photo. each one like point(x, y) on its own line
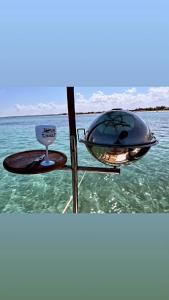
point(156, 108)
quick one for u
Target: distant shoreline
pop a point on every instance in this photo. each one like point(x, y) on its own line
point(92, 113)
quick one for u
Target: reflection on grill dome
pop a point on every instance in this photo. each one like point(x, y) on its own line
point(118, 137)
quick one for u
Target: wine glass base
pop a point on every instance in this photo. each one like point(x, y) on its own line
point(47, 163)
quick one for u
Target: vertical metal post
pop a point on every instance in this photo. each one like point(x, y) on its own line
point(73, 145)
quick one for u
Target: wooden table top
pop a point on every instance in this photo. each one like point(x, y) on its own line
point(24, 162)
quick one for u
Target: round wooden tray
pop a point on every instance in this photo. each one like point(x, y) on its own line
point(24, 162)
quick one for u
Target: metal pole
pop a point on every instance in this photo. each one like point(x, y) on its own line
point(73, 145)
point(93, 169)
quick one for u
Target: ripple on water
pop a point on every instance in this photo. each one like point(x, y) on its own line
point(141, 187)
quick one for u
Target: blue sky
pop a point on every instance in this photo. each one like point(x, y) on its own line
point(84, 42)
point(47, 100)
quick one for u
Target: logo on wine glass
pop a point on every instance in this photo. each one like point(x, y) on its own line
point(46, 135)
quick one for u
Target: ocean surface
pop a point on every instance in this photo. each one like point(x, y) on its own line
point(141, 187)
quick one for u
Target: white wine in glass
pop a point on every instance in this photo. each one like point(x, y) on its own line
point(46, 135)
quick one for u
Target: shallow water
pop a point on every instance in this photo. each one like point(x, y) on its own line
point(141, 187)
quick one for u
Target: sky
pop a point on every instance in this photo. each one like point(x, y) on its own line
point(84, 42)
point(15, 101)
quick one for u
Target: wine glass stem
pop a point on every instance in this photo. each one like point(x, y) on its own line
point(47, 154)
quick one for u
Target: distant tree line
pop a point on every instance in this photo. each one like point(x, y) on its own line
point(157, 108)
point(162, 107)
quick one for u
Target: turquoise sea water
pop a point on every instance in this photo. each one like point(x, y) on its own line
point(141, 187)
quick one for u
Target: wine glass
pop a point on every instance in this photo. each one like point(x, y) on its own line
point(46, 135)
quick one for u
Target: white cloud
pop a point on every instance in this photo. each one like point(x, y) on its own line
point(40, 108)
point(130, 98)
point(131, 90)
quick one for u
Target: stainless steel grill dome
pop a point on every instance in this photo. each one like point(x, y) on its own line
point(118, 137)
